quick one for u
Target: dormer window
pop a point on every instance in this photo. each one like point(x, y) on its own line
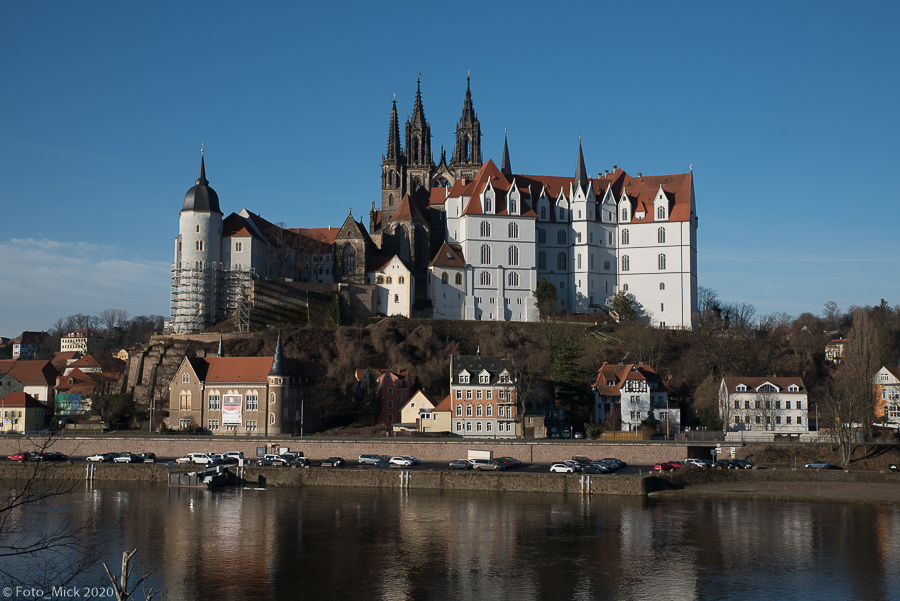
point(766, 388)
point(661, 213)
point(488, 205)
point(464, 377)
point(740, 388)
point(484, 378)
point(794, 388)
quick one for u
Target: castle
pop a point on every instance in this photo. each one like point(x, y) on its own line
point(456, 239)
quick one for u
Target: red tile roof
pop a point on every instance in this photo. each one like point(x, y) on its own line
point(407, 210)
point(22, 399)
point(450, 256)
point(30, 373)
point(754, 382)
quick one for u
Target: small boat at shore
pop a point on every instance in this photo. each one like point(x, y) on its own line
point(210, 477)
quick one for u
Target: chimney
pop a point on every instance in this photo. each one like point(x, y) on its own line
point(640, 175)
point(615, 167)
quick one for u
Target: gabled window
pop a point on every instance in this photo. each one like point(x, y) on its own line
point(464, 378)
point(484, 378)
point(661, 212)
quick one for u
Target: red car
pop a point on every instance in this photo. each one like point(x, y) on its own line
point(666, 466)
point(16, 457)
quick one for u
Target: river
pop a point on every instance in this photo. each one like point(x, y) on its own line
point(360, 543)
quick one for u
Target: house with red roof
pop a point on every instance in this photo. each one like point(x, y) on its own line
point(263, 396)
point(36, 377)
point(627, 393)
point(393, 385)
point(27, 344)
point(20, 412)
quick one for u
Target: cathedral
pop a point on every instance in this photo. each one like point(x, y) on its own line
point(457, 239)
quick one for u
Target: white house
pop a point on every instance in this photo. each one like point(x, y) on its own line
point(887, 396)
point(633, 390)
point(394, 285)
point(763, 404)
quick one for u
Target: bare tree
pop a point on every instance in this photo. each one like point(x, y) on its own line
point(112, 319)
point(35, 550)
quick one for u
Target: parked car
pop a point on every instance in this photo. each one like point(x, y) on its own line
point(893, 468)
point(819, 465)
point(300, 462)
point(727, 464)
point(415, 460)
point(273, 459)
point(127, 458)
point(54, 456)
point(460, 464)
point(620, 463)
point(574, 464)
point(234, 455)
point(198, 458)
point(562, 468)
point(147, 457)
point(333, 462)
point(695, 464)
point(581, 459)
point(666, 466)
point(744, 464)
point(610, 465)
point(512, 460)
point(16, 457)
point(595, 468)
point(101, 457)
point(488, 464)
point(369, 459)
point(402, 461)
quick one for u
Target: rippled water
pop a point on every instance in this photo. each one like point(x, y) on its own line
point(355, 543)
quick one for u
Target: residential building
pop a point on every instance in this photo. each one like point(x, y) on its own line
point(393, 386)
point(625, 394)
point(887, 397)
point(20, 412)
point(763, 404)
point(419, 413)
point(77, 341)
point(483, 397)
point(27, 344)
point(37, 377)
point(263, 396)
point(834, 350)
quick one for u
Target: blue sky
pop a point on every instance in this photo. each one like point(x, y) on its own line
point(787, 112)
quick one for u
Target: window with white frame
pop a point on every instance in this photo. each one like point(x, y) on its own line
point(513, 230)
point(214, 401)
point(469, 410)
point(485, 229)
point(250, 425)
point(212, 425)
point(252, 402)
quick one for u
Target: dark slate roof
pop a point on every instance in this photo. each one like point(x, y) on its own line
point(475, 364)
point(201, 197)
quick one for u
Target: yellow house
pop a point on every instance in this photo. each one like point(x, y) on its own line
point(425, 414)
point(20, 412)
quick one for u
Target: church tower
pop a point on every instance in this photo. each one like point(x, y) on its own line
point(393, 168)
point(419, 166)
point(466, 160)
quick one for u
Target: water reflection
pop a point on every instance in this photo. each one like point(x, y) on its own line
point(386, 544)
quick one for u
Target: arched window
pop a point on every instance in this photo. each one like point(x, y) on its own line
point(542, 260)
point(662, 285)
point(561, 261)
point(561, 237)
point(485, 278)
point(348, 260)
point(626, 263)
point(662, 261)
point(479, 410)
point(388, 280)
point(488, 204)
point(469, 410)
point(379, 279)
point(485, 229)
point(541, 236)
point(513, 230)
point(444, 278)
point(459, 410)
point(543, 213)
point(271, 418)
point(485, 254)
point(605, 265)
point(661, 212)
point(513, 255)
point(513, 278)
point(624, 214)
point(626, 237)
point(459, 279)
point(661, 235)
point(624, 287)
point(562, 214)
point(400, 279)
point(513, 206)
point(272, 398)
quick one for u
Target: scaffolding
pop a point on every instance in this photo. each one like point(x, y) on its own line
point(203, 295)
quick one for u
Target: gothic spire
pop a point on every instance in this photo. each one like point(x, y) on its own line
point(202, 179)
point(394, 151)
point(581, 178)
point(418, 116)
point(468, 113)
point(279, 366)
point(505, 168)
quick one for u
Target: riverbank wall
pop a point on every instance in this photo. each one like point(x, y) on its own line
point(352, 477)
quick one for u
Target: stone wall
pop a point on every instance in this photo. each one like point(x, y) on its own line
point(528, 451)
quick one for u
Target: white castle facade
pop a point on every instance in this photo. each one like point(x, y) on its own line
point(460, 239)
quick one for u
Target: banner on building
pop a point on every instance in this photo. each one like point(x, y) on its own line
point(231, 409)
